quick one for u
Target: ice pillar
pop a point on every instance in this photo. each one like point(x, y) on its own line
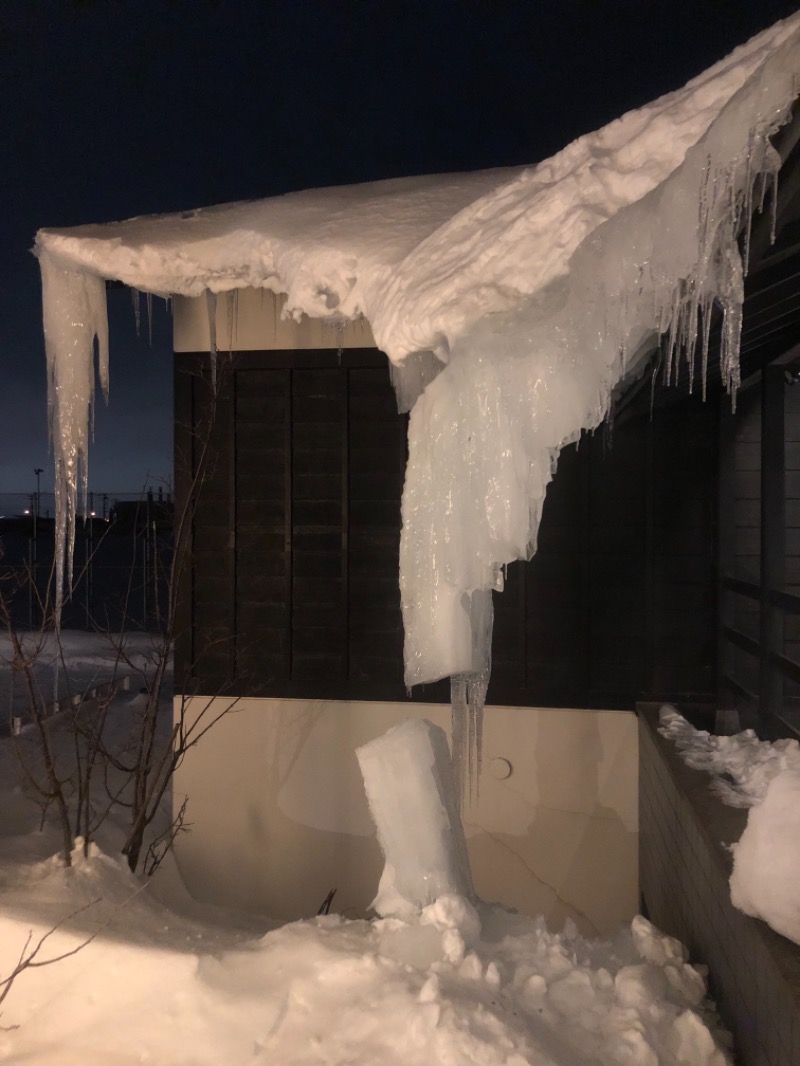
point(408, 778)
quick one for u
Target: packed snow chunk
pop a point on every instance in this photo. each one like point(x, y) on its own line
point(411, 944)
point(640, 986)
point(630, 1047)
point(453, 912)
point(458, 922)
point(574, 991)
point(690, 1042)
point(765, 882)
point(408, 778)
point(742, 765)
point(655, 946)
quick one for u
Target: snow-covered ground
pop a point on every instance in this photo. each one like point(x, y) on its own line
point(94, 660)
point(167, 981)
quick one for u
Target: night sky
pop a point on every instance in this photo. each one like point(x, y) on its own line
point(113, 109)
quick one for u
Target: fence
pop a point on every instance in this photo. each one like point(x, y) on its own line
point(122, 550)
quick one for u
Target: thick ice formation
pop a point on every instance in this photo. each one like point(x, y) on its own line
point(408, 778)
point(517, 299)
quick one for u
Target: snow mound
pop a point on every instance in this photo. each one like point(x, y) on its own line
point(157, 977)
point(155, 987)
point(765, 882)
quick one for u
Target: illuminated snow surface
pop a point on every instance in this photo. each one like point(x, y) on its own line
point(764, 777)
point(173, 983)
point(519, 298)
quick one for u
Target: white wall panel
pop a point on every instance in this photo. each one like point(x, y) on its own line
point(279, 816)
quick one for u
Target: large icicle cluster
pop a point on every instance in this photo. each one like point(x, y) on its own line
point(511, 303)
point(484, 437)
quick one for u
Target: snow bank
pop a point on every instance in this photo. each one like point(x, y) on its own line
point(530, 291)
point(157, 987)
point(175, 983)
point(748, 772)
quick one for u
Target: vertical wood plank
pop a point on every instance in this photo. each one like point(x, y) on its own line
point(773, 534)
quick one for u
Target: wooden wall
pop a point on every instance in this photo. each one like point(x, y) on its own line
point(759, 521)
point(293, 585)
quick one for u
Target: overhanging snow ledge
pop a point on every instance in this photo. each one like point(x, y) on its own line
point(469, 263)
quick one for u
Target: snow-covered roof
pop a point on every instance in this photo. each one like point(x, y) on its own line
point(421, 258)
point(532, 286)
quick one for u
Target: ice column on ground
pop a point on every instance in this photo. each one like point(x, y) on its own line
point(75, 314)
point(408, 778)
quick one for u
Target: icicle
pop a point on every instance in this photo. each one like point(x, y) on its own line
point(136, 300)
point(211, 308)
point(468, 697)
point(476, 696)
point(706, 341)
point(233, 317)
point(748, 204)
point(773, 228)
point(459, 713)
point(340, 328)
point(654, 381)
point(149, 305)
point(74, 314)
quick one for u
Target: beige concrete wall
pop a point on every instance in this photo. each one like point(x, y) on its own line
point(279, 816)
point(250, 320)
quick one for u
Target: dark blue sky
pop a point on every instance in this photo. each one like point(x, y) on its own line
point(111, 109)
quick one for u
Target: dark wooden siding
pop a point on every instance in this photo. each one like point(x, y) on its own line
point(292, 589)
point(293, 585)
point(760, 549)
point(619, 600)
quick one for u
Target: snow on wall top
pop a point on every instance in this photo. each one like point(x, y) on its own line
point(533, 286)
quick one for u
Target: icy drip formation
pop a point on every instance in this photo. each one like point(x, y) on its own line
point(75, 314)
point(485, 435)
